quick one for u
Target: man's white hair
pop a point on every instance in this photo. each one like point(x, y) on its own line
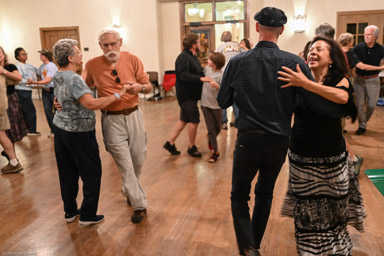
point(375, 30)
point(109, 30)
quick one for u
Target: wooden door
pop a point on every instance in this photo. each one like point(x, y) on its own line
point(355, 22)
point(49, 36)
point(207, 41)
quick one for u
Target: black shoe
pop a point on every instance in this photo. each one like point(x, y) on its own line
point(193, 151)
point(89, 221)
point(171, 148)
point(5, 155)
point(251, 252)
point(138, 216)
point(214, 157)
point(360, 131)
point(358, 164)
point(70, 217)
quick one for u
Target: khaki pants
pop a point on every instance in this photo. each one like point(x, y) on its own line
point(126, 139)
point(366, 92)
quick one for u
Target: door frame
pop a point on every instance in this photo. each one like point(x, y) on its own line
point(50, 29)
point(373, 17)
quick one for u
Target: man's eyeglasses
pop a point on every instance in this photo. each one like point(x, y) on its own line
point(117, 79)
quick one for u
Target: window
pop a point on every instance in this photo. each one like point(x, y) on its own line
point(198, 12)
point(357, 30)
point(210, 18)
point(231, 10)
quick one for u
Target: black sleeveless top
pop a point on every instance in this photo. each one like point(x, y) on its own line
point(317, 128)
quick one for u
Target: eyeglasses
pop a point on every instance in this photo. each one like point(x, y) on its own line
point(117, 79)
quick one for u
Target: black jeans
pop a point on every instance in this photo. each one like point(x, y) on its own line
point(77, 155)
point(28, 108)
point(48, 98)
point(255, 152)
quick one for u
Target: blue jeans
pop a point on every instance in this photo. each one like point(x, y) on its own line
point(255, 152)
point(28, 108)
point(48, 106)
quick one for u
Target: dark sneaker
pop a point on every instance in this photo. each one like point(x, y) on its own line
point(193, 151)
point(70, 217)
point(90, 221)
point(360, 131)
point(138, 216)
point(11, 169)
point(214, 157)
point(251, 252)
point(34, 134)
point(4, 155)
point(358, 164)
point(171, 148)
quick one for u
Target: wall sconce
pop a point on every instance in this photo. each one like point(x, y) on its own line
point(299, 23)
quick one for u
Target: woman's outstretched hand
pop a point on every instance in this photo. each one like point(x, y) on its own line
point(293, 78)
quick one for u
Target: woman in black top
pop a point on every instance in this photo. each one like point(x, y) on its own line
point(323, 194)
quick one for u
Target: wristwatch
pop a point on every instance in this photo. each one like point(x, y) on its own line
point(143, 89)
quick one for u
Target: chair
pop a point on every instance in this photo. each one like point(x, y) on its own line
point(169, 80)
point(154, 80)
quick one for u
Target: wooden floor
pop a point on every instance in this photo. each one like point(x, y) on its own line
point(189, 206)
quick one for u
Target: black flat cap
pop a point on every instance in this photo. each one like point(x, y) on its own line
point(271, 17)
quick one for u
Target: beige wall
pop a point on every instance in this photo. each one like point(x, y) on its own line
point(152, 28)
point(20, 21)
point(317, 12)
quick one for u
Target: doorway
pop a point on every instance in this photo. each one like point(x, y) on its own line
point(207, 41)
point(49, 36)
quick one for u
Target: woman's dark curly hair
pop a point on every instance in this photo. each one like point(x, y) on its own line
point(339, 62)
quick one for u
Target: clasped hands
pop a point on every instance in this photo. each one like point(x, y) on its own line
point(210, 80)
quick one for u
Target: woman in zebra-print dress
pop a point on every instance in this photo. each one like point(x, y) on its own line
point(323, 194)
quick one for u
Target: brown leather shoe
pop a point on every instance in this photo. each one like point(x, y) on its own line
point(138, 216)
point(11, 169)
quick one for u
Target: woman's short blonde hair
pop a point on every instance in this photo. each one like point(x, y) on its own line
point(345, 39)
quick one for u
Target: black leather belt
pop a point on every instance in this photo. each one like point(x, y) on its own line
point(368, 77)
point(50, 89)
point(125, 111)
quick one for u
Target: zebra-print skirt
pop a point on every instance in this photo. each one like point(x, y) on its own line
point(323, 197)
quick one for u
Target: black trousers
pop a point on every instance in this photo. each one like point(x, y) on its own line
point(77, 155)
point(263, 153)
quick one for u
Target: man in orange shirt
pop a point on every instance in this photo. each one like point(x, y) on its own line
point(122, 122)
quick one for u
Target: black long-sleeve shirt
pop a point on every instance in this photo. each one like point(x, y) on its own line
point(188, 72)
point(371, 56)
point(250, 81)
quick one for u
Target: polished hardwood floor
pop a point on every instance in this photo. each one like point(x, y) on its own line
point(189, 206)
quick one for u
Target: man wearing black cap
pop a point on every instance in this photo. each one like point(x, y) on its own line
point(264, 124)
